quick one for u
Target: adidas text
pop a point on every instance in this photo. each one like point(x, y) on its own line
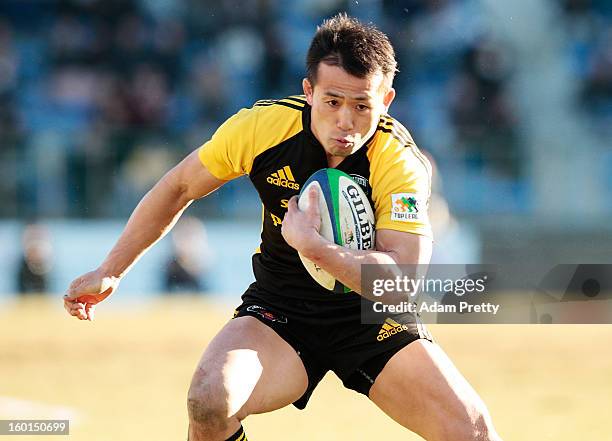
point(283, 183)
point(283, 178)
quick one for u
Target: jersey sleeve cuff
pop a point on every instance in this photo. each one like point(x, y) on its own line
point(421, 230)
point(208, 161)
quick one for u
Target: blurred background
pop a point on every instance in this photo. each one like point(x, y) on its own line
point(99, 98)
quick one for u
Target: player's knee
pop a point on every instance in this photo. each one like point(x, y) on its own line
point(207, 405)
point(473, 424)
point(482, 427)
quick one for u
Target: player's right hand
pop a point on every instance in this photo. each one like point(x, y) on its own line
point(86, 291)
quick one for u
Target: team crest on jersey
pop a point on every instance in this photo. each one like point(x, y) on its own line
point(266, 314)
point(407, 207)
point(283, 177)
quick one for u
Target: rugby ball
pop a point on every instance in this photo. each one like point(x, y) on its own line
point(347, 218)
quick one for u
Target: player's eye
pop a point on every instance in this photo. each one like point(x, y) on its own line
point(332, 103)
point(362, 107)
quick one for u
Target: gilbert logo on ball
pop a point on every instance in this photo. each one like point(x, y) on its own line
point(347, 218)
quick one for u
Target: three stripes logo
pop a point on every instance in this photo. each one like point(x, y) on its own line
point(283, 178)
point(390, 327)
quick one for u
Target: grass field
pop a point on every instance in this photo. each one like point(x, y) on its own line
point(124, 377)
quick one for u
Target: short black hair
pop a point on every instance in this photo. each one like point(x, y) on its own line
point(360, 49)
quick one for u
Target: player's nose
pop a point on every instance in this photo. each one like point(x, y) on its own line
point(345, 120)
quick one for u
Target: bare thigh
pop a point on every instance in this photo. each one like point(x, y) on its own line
point(421, 389)
point(247, 369)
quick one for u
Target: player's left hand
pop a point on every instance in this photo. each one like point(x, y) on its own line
point(301, 228)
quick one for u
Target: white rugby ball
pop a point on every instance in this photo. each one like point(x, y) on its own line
point(347, 218)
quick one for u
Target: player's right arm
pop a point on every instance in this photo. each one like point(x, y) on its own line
point(227, 155)
point(154, 216)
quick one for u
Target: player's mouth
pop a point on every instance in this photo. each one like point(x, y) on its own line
point(345, 142)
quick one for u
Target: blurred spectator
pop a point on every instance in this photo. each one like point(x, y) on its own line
point(148, 97)
point(481, 111)
point(10, 125)
point(35, 265)
point(589, 27)
point(186, 270)
point(9, 61)
point(597, 92)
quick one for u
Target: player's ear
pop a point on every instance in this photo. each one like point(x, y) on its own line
point(308, 90)
point(388, 98)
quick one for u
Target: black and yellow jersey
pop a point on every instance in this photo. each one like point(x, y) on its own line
point(272, 143)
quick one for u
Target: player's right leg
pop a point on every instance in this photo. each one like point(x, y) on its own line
point(246, 369)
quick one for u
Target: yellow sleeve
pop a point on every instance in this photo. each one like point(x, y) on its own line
point(235, 145)
point(229, 153)
point(401, 186)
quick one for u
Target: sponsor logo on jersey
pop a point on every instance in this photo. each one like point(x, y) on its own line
point(276, 220)
point(390, 327)
point(266, 314)
point(407, 207)
point(283, 178)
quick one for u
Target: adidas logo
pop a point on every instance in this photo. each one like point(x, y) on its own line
point(283, 178)
point(390, 327)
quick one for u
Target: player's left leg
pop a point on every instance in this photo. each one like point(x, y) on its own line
point(421, 389)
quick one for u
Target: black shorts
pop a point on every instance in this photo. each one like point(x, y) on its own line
point(331, 336)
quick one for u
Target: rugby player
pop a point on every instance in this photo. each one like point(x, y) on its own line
point(288, 331)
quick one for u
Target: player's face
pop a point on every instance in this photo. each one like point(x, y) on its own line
point(345, 109)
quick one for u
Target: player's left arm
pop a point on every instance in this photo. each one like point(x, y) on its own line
point(301, 230)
